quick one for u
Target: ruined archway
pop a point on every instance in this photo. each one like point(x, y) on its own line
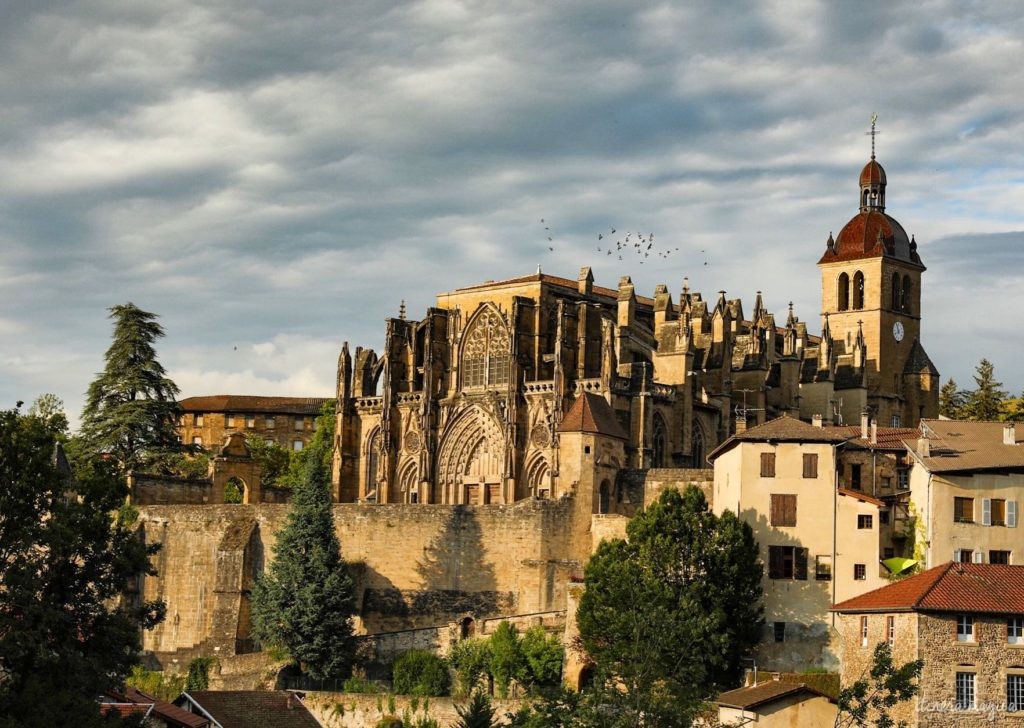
point(235, 490)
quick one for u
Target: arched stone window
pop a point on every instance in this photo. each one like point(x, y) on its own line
point(905, 294)
point(485, 355)
point(372, 466)
point(858, 290)
point(660, 443)
point(604, 500)
point(538, 478)
point(697, 447)
point(843, 291)
point(897, 301)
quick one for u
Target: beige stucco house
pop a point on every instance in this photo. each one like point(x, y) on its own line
point(775, 704)
point(966, 484)
point(819, 541)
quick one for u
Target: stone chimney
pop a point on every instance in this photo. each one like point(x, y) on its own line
point(816, 420)
point(923, 447)
point(741, 424)
point(874, 433)
point(865, 420)
point(1009, 434)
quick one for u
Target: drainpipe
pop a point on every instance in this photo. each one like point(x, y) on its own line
point(835, 519)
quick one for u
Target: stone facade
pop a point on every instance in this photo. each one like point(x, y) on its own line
point(287, 421)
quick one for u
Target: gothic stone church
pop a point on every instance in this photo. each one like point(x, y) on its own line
point(540, 385)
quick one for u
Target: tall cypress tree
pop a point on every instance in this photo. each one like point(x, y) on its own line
point(130, 410)
point(305, 600)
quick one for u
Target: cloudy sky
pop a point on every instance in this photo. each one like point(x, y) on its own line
point(273, 178)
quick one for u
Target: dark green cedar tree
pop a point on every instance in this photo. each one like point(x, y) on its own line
point(305, 600)
point(67, 631)
point(130, 410)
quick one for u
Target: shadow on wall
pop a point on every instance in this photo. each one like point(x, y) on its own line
point(454, 575)
point(797, 620)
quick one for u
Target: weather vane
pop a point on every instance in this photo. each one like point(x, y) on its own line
point(873, 133)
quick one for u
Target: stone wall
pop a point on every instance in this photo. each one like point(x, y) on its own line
point(147, 490)
point(347, 710)
point(420, 565)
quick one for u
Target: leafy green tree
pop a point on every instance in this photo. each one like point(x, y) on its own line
point(274, 460)
point(66, 633)
point(130, 411)
point(418, 672)
point(506, 658)
point(198, 677)
point(304, 602)
point(869, 700)
point(951, 400)
point(985, 402)
point(667, 615)
point(50, 408)
point(471, 661)
point(478, 713)
point(543, 655)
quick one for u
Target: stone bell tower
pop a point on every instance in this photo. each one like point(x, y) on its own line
point(871, 299)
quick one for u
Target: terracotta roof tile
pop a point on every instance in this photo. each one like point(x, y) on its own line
point(886, 438)
point(860, 496)
point(171, 714)
point(955, 445)
point(253, 403)
point(766, 692)
point(591, 413)
point(254, 708)
point(951, 587)
point(783, 429)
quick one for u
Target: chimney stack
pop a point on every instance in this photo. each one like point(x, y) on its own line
point(864, 421)
point(1009, 434)
point(741, 424)
point(816, 420)
point(923, 447)
point(874, 433)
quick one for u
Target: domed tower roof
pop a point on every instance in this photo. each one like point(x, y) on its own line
point(872, 174)
point(871, 233)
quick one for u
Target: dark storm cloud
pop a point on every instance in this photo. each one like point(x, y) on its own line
point(273, 178)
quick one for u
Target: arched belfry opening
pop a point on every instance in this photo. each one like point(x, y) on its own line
point(843, 292)
point(858, 291)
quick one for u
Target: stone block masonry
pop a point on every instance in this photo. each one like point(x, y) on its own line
point(417, 566)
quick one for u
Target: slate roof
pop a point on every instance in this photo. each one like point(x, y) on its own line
point(250, 403)
point(591, 413)
point(959, 446)
point(951, 587)
point(253, 708)
point(782, 429)
point(767, 692)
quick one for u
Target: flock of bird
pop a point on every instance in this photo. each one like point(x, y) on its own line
point(632, 244)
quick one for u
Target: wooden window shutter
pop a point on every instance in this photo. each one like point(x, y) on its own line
point(775, 562)
point(789, 503)
point(810, 465)
point(800, 565)
point(767, 465)
point(776, 510)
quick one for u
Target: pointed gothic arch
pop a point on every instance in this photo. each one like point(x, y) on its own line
point(408, 478)
point(372, 465)
point(486, 349)
point(697, 446)
point(538, 477)
point(659, 442)
point(470, 460)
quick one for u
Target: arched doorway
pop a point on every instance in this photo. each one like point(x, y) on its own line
point(235, 491)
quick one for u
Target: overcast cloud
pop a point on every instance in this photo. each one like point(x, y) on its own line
point(273, 178)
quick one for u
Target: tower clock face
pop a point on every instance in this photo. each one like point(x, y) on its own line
point(897, 331)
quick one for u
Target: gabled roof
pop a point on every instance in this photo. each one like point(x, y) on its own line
point(591, 413)
point(886, 438)
point(243, 403)
point(754, 696)
point(959, 446)
point(253, 708)
point(858, 495)
point(952, 587)
point(782, 429)
point(146, 704)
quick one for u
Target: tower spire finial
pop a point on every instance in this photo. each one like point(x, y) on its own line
point(873, 133)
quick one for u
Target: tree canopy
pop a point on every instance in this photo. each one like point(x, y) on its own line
point(65, 636)
point(668, 614)
point(130, 410)
point(869, 700)
point(305, 600)
point(986, 402)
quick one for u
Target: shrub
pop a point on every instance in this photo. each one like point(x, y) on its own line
point(542, 655)
point(356, 684)
point(506, 658)
point(471, 660)
point(390, 721)
point(155, 683)
point(199, 673)
point(419, 672)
